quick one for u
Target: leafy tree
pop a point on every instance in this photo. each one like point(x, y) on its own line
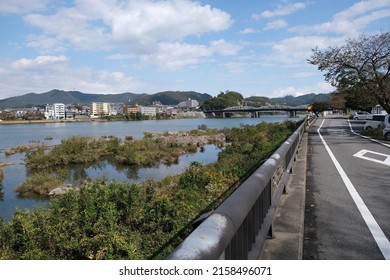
point(357, 100)
point(361, 66)
point(318, 107)
point(223, 100)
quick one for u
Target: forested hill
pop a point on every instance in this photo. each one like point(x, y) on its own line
point(77, 97)
point(165, 98)
point(302, 100)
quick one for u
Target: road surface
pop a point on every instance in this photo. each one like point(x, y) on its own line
point(347, 215)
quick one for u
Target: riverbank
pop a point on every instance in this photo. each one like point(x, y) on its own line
point(183, 115)
point(50, 121)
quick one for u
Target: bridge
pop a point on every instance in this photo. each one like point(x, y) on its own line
point(255, 111)
point(337, 209)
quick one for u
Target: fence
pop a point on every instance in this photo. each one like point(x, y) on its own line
point(238, 228)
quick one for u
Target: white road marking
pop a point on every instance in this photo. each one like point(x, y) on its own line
point(376, 231)
point(373, 140)
point(364, 154)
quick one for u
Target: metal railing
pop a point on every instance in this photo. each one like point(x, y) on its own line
point(238, 228)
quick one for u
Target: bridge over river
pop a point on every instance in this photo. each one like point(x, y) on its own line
point(255, 111)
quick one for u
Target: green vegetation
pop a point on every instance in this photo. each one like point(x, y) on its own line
point(148, 152)
point(76, 149)
point(151, 150)
point(137, 221)
point(318, 107)
point(375, 133)
point(20, 149)
point(359, 69)
point(223, 100)
point(39, 183)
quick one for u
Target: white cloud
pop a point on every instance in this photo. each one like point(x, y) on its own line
point(248, 31)
point(303, 74)
point(290, 90)
point(136, 26)
point(224, 48)
point(295, 51)
point(276, 24)
point(173, 56)
point(321, 87)
point(21, 6)
point(43, 73)
point(39, 62)
point(236, 67)
point(351, 20)
point(283, 10)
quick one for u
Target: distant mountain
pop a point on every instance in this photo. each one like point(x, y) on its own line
point(77, 97)
point(302, 100)
point(165, 98)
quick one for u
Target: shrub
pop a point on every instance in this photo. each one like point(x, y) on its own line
point(39, 183)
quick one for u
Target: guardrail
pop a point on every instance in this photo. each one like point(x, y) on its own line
point(238, 228)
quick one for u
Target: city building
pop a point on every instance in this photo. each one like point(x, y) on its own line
point(147, 111)
point(100, 109)
point(130, 110)
point(188, 104)
point(55, 111)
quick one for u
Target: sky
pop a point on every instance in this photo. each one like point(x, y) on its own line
point(254, 47)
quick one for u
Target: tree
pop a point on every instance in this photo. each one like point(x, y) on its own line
point(223, 100)
point(360, 66)
point(318, 107)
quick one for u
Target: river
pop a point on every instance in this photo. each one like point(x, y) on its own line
point(24, 134)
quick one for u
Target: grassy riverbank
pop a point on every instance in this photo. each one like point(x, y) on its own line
point(133, 221)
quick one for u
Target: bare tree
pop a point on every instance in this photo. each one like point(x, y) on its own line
point(360, 65)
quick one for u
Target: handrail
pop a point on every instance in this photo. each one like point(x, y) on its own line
point(238, 228)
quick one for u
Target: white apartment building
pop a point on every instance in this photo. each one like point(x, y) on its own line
point(189, 103)
point(148, 111)
point(99, 109)
point(55, 111)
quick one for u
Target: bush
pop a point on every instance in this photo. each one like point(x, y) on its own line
point(39, 183)
point(376, 133)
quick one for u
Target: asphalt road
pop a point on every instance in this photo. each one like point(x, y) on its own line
point(347, 215)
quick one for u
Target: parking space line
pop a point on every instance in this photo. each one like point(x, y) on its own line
point(377, 233)
point(373, 156)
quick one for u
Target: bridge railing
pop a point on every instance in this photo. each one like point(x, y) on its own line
point(238, 228)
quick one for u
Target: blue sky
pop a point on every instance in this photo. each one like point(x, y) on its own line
point(257, 48)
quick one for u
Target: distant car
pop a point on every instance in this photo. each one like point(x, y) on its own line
point(374, 121)
point(360, 115)
point(386, 129)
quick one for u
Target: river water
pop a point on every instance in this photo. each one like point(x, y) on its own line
point(24, 134)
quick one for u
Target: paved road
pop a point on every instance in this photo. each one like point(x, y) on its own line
point(347, 213)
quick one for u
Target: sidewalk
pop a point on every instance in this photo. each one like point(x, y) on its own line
point(288, 227)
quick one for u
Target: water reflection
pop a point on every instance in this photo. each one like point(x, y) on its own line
point(77, 173)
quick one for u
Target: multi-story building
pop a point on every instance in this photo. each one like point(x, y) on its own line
point(116, 108)
point(188, 104)
point(130, 110)
point(55, 111)
point(148, 111)
point(100, 109)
